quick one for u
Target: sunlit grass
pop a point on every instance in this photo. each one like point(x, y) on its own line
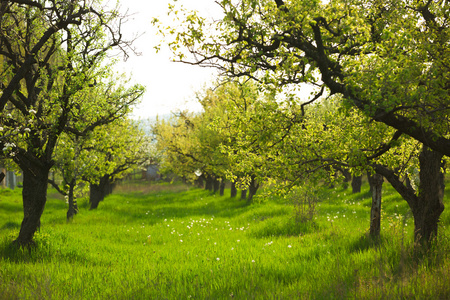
point(175, 242)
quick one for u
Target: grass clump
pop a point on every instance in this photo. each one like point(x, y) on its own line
point(171, 242)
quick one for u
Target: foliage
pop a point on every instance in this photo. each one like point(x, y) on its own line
point(111, 149)
point(389, 59)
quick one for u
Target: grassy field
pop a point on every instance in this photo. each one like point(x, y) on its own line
point(175, 242)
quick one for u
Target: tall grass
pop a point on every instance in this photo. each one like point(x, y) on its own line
point(175, 242)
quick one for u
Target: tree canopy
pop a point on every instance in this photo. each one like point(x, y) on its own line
point(390, 59)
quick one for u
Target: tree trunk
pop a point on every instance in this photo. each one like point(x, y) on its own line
point(376, 184)
point(347, 178)
point(429, 204)
point(233, 190)
point(253, 187)
point(199, 182)
point(356, 184)
point(216, 185)
point(96, 195)
point(34, 196)
point(209, 183)
point(73, 206)
point(222, 187)
point(243, 194)
point(109, 187)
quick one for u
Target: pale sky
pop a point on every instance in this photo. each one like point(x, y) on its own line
point(170, 86)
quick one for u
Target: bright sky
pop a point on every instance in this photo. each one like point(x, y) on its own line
point(170, 86)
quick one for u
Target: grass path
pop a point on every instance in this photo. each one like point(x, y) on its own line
point(169, 242)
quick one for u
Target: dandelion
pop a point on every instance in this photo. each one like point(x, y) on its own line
point(181, 241)
point(238, 241)
point(289, 246)
point(253, 260)
point(218, 259)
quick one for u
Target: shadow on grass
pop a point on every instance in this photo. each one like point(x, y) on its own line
point(41, 252)
point(10, 225)
point(365, 242)
point(153, 208)
point(10, 207)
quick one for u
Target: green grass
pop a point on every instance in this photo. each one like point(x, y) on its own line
point(173, 242)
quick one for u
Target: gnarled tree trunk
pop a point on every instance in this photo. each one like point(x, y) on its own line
point(429, 205)
point(34, 195)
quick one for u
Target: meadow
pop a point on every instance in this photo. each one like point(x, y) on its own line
point(179, 242)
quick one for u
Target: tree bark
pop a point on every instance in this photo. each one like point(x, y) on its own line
point(243, 194)
point(216, 185)
point(209, 183)
point(222, 187)
point(34, 196)
point(347, 178)
point(376, 184)
point(96, 195)
point(253, 188)
point(356, 184)
point(73, 206)
point(233, 190)
point(199, 182)
point(98, 192)
point(429, 205)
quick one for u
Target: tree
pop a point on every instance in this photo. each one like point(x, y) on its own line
point(229, 109)
point(176, 138)
point(96, 160)
point(53, 62)
point(389, 59)
point(116, 148)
